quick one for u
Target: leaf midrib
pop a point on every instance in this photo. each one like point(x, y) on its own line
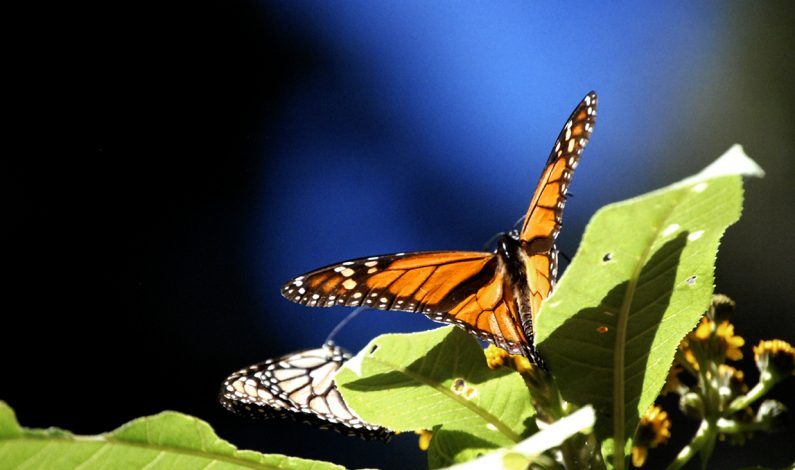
point(479, 411)
point(619, 381)
point(104, 442)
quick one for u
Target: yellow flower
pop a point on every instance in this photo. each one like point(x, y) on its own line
point(523, 365)
point(729, 343)
point(686, 357)
point(654, 429)
point(704, 330)
point(730, 382)
point(710, 342)
point(776, 357)
point(691, 348)
point(672, 383)
point(495, 357)
point(425, 438)
point(639, 455)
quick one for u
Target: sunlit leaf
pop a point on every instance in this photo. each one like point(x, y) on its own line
point(522, 454)
point(167, 440)
point(641, 279)
point(407, 382)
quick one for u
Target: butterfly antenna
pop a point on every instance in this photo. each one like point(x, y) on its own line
point(341, 324)
point(565, 256)
point(491, 239)
point(488, 243)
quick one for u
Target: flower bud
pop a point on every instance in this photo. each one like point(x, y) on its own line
point(692, 405)
point(771, 415)
point(722, 308)
point(776, 358)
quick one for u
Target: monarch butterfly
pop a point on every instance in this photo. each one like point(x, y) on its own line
point(495, 296)
point(299, 386)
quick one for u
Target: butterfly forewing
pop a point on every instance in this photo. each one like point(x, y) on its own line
point(299, 386)
point(494, 296)
point(463, 288)
point(545, 214)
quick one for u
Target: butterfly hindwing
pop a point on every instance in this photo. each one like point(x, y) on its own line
point(299, 386)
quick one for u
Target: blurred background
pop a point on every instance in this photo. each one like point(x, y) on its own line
point(169, 166)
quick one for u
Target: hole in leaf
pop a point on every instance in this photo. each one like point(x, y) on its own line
point(691, 280)
point(695, 235)
point(607, 257)
point(458, 386)
point(373, 349)
point(670, 230)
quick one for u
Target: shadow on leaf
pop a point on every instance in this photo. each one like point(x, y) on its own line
point(580, 353)
point(458, 356)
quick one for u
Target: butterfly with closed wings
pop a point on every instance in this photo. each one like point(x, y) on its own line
point(495, 296)
point(298, 386)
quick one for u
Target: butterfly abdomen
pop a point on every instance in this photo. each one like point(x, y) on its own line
point(512, 255)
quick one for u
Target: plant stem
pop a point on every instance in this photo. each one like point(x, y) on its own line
point(578, 451)
point(759, 390)
point(729, 426)
point(712, 408)
point(691, 449)
point(709, 444)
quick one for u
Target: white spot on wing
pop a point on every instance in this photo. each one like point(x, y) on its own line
point(347, 272)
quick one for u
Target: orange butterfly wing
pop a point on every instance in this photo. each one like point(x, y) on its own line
point(492, 295)
point(467, 289)
point(545, 214)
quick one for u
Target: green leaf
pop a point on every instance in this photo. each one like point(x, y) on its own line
point(449, 447)
point(437, 378)
point(641, 280)
point(526, 452)
point(167, 440)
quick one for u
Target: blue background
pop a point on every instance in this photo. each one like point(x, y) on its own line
point(174, 165)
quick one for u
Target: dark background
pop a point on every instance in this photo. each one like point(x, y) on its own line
point(169, 165)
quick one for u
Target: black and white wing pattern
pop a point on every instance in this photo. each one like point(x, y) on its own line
point(298, 386)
